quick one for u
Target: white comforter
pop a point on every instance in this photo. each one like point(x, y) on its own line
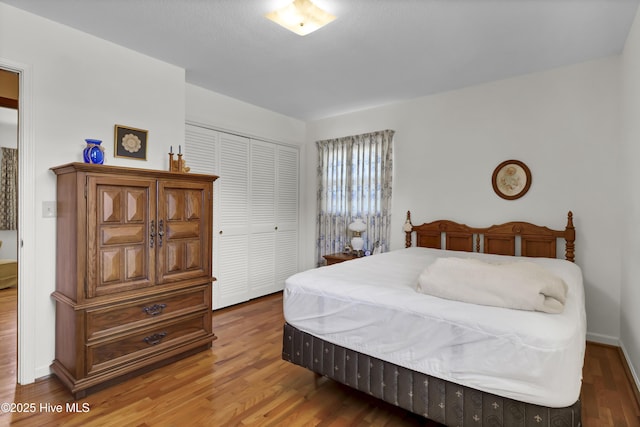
point(371, 305)
point(521, 285)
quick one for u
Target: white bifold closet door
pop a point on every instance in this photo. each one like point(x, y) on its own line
point(255, 242)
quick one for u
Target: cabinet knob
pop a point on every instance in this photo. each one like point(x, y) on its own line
point(276, 227)
point(220, 232)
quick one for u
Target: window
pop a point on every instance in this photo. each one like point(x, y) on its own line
point(354, 181)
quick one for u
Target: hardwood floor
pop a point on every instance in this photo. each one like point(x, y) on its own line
point(242, 381)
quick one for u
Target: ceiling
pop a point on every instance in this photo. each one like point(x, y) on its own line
point(376, 52)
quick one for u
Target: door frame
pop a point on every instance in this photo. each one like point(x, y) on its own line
point(27, 314)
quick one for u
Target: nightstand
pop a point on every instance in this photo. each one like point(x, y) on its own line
point(339, 257)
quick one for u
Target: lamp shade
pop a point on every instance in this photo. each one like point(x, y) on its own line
point(358, 225)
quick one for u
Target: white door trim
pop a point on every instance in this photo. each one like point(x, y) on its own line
point(27, 313)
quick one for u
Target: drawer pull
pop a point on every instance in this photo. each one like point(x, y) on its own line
point(154, 310)
point(155, 338)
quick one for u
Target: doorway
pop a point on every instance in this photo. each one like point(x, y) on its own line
point(27, 362)
point(9, 113)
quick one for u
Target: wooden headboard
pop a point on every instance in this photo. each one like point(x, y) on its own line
point(510, 238)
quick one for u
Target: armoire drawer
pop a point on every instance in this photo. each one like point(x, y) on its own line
point(106, 354)
point(137, 313)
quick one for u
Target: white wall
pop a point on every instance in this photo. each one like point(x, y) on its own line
point(81, 87)
point(563, 124)
point(229, 114)
point(630, 292)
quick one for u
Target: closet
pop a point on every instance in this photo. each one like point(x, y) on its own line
point(255, 219)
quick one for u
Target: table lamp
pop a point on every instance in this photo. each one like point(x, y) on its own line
point(357, 226)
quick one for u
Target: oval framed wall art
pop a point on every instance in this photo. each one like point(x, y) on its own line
point(511, 179)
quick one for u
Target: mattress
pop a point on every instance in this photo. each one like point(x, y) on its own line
point(371, 305)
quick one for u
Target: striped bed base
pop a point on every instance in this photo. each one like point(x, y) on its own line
point(438, 400)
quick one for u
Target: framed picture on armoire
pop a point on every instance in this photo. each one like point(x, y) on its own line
point(130, 142)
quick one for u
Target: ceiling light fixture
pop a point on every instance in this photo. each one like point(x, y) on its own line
point(301, 16)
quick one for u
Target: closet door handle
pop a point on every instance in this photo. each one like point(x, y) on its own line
point(152, 233)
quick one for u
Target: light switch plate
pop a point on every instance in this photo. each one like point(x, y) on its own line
point(48, 209)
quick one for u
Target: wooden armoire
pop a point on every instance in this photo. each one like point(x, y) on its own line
point(133, 271)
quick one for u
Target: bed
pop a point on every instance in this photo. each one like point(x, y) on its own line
point(363, 323)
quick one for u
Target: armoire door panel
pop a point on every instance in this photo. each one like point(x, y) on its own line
point(183, 205)
point(111, 204)
point(183, 230)
point(193, 254)
point(184, 256)
point(135, 264)
point(118, 235)
point(193, 205)
point(174, 203)
point(174, 259)
point(184, 218)
point(136, 204)
point(111, 266)
point(120, 211)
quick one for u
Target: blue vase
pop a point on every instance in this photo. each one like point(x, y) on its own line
point(93, 152)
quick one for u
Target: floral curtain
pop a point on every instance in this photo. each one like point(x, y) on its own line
point(9, 187)
point(354, 181)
